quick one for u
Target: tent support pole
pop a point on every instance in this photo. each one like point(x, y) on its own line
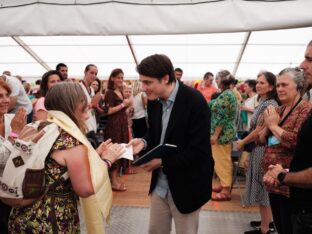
point(132, 50)
point(241, 53)
point(21, 43)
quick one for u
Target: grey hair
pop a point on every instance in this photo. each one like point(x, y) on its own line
point(223, 75)
point(296, 75)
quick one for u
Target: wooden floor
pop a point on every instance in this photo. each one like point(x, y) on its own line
point(137, 194)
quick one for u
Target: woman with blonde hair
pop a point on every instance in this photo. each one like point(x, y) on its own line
point(139, 124)
point(72, 154)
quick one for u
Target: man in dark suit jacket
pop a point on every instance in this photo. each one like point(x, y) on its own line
point(178, 115)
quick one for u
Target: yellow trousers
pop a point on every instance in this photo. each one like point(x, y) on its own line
point(223, 163)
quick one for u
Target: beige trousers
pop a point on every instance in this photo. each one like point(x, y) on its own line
point(161, 214)
point(223, 163)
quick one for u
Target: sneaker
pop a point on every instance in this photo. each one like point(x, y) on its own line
point(256, 231)
point(257, 224)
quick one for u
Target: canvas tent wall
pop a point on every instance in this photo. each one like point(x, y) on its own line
point(141, 21)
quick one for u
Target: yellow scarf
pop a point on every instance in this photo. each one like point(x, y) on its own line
point(99, 204)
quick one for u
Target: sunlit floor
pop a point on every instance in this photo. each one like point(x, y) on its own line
point(130, 211)
point(133, 220)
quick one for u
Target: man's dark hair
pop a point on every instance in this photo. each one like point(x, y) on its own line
point(178, 70)
point(37, 82)
point(156, 66)
point(58, 66)
point(207, 74)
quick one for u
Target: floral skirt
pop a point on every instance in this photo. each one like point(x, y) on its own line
point(52, 214)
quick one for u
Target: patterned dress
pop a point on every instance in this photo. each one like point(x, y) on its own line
point(255, 193)
point(57, 211)
point(117, 123)
point(283, 152)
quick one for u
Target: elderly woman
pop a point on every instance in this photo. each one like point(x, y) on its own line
point(280, 134)
point(9, 125)
point(223, 131)
point(255, 193)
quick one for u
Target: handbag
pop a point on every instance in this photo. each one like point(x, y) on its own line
point(249, 146)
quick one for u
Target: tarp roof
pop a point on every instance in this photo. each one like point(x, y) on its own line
point(198, 36)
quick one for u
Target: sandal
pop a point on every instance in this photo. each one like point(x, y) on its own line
point(217, 189)
point(221, 197)
point(120, 188)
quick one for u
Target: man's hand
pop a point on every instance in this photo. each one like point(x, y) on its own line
point(152, 165)
point(270, 178)
point(137, 144)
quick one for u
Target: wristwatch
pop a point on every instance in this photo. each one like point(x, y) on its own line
point(281, 177)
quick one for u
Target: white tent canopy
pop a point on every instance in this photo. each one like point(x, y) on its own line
point(198, 36)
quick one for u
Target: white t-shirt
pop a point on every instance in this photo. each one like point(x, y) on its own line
point(19, 92)
point(138, 105)
point(91, 121)
point(251, 102)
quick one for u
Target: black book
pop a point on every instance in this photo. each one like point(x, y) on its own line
point(157, 152)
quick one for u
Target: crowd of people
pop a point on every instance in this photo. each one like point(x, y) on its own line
point(204, 122)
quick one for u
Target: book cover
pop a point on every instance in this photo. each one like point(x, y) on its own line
point(157, 152)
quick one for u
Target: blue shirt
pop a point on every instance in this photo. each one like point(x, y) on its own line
point(162, 187)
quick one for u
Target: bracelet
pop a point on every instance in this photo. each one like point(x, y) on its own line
point(13, 135)
point(145, 143)
point(241, 143)
point(108, 162)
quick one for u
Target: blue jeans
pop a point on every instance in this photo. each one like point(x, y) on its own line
point(302, 222)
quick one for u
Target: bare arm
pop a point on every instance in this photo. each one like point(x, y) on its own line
point(262, 136)
point(112, 110)
point(215, 136)
point(248, 109)
point(77, 162)
point(250, 137)
point(41, 115)
point(95, 100)
point(301, 179)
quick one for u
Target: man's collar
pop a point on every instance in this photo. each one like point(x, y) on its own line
point(173, 94)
